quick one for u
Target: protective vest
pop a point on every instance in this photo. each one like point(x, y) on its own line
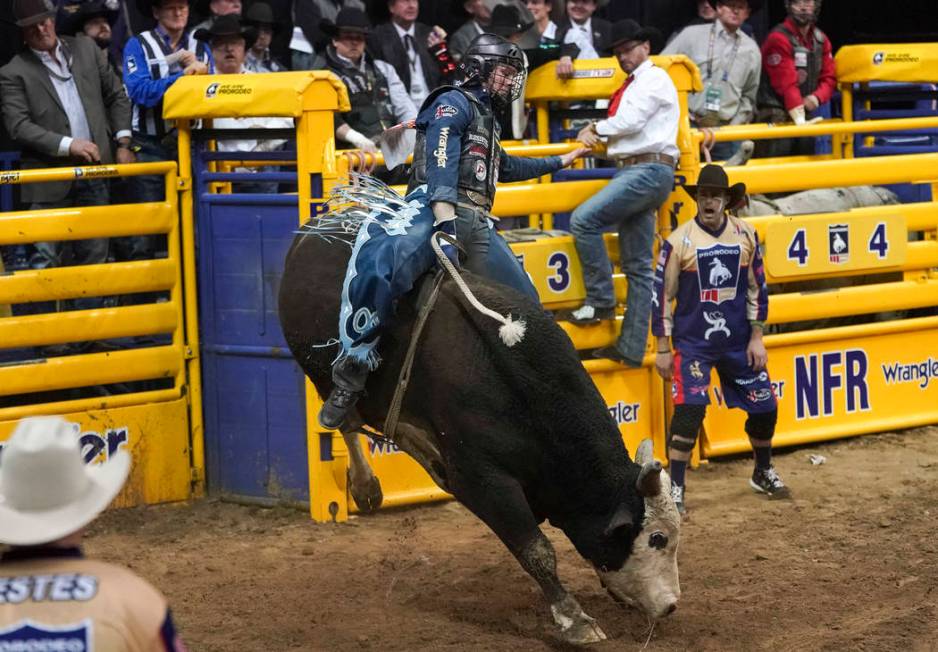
point(478, 154)
point(149, 120)
point(814, 58)
point(368, 93)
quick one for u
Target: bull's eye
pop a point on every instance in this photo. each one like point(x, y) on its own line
point(658, 541)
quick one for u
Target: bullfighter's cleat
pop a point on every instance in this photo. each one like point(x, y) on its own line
point(336, 407)
point(766, 481)
point(677, 495)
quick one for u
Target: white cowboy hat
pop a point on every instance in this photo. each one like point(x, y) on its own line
point(46, 490)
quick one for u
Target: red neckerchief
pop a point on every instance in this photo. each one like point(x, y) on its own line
point(617, 96)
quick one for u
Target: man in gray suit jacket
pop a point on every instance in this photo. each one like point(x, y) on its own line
point(63, 105)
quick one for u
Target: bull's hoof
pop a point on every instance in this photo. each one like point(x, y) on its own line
point(367, 495)
point(576, 626)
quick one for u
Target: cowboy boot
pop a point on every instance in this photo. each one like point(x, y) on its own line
point(349, 378)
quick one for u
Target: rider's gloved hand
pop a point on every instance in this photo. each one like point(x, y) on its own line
point(361, 141)
point(444, 219)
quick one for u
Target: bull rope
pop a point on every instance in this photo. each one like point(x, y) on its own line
point(511, 330)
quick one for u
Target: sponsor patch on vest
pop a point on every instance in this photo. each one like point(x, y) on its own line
point(446, 111)
point(440, 151)
point(718, 268)
point(30, 635)
point(480, 170)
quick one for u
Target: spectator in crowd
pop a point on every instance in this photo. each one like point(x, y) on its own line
point(712, 267)
point(799, 75)
point(477, 24)
point(230, 41)
point(406, 45)
point(153, 61)
point(508, 23)
point(93, 18)
point(641, 133)
point(63, 104)
point(730, 65)
point(541, 11)
point(377, 94)
point(307, 37)
point(590, 34)
point(261, 17)
point(55, 599)
point(212, 9)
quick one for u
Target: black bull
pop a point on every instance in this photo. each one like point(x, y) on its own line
point(517, 435)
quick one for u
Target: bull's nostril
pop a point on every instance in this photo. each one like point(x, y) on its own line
point(672, 608)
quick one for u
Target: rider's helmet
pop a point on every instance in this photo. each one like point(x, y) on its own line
point(799, 12)
point(495, 64)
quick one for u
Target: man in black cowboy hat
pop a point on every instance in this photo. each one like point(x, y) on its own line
point(641, 135)
point(229, 39)
point(95, 19)
point(153, 61)
point(260, 16)
point(713, 267)
point(63, 104)
point(378, 97)
point(730, 65)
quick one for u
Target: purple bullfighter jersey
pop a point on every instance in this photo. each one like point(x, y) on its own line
point(719, 282)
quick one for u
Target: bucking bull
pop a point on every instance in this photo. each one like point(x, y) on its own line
point(517, 434)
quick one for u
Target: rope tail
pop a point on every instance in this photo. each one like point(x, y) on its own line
point(511, 331)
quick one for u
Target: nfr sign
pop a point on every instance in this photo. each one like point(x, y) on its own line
point(822, 380)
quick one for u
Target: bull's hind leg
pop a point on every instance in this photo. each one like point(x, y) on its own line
point(501, 504)
point(421, 445)
point(363, 484)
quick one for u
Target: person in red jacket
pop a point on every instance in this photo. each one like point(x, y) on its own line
point(799, 75)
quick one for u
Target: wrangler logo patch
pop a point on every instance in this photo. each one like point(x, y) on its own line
point(440, 151)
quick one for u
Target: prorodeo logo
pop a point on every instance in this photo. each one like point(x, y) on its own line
point(599, 73)
point(212, 90)
point(99, 172)
point(895, 57)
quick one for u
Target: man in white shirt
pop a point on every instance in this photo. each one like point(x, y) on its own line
point(641, 136)
point(730, 65)
point(230, 40)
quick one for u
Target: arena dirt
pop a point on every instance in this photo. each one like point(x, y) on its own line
point(850, 564)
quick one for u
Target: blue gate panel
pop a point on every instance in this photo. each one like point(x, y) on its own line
point(255, 421)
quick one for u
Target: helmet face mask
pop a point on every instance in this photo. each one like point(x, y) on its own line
point(497, 65)
point(800, 13)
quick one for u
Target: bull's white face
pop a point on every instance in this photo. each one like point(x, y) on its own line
point(649, 579)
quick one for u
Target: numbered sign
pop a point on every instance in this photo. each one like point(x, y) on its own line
point(828, 244)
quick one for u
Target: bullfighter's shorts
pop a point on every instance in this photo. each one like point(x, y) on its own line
point(741, 385)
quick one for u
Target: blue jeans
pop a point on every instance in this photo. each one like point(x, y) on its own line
point(628, 202)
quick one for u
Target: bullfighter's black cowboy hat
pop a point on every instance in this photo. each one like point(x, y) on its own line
point(714, 177)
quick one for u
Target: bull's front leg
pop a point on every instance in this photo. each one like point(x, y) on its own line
point(500, 503)
point(539, 560)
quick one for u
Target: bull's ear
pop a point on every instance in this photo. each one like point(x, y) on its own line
point(645, 452)
point(648, 483)
point(621, 519)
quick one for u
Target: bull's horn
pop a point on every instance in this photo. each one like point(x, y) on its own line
point(645, 452)
point(649, 480)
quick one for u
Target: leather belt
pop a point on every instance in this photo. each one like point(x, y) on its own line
point(646, 158)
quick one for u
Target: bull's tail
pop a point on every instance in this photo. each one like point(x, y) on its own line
point(511, 330)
